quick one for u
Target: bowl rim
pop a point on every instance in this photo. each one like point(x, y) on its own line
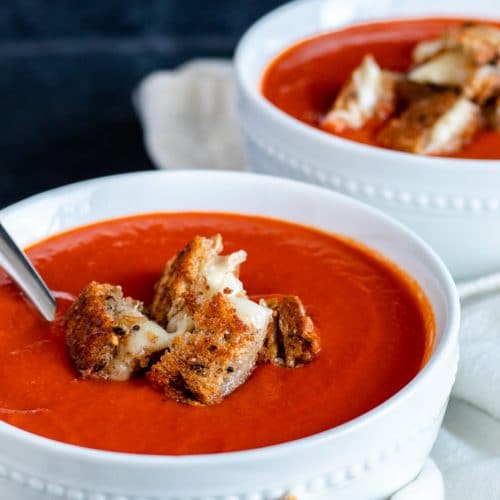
point(447, 342)
point(283, 119)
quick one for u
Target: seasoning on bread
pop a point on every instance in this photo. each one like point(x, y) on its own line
point(108, 335)
point(439, 124)
point(220, 330)
point(292, 340)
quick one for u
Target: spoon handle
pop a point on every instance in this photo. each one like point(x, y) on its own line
point(20, 269)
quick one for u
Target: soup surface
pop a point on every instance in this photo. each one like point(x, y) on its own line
point(304, 80)
point(375, 325)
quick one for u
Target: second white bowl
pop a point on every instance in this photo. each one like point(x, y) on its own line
point(453, 204)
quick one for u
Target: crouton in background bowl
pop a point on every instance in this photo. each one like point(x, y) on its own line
point(368, 457)
point(417, 172)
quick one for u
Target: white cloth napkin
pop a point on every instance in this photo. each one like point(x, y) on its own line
point(189, 120)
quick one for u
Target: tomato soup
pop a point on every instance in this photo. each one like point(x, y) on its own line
point(304, 80)
point(376, 330)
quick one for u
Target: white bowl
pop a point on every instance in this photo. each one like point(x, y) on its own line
point(366, 458)
point(453, 204)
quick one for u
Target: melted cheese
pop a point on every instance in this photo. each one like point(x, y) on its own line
point(367, 80)
point(149, 338)
point(358, 101)
point(427, 49)
point(251, 312)
point(221, 276)
point(179, 324)
point(451, 68)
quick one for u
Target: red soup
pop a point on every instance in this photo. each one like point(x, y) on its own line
point(376, 329)
point(304, 80)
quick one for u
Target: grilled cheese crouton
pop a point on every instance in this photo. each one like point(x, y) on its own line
point(193, 276)
point(451, 68)
point(368, 94)
point(108, 335)
point(292, 340)
point(219, 330)
point(183, 286)
point(483, 84)
point(455, 69)
point(480, 42)
point(466, 58)
point(206, 364)
point(439, 124)
point(408, 92)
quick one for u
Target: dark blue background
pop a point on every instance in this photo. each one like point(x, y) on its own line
point(67, 69)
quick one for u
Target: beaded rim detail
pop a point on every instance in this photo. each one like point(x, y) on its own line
point(378, 192)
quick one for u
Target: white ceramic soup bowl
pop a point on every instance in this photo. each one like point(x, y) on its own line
point(453, 204)
point(366, 458)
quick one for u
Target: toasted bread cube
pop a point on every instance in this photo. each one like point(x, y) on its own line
point(183, 285)
point(368, 94)
point(292, 340)
point(205, 365)
point(193, 276)
point(441, 124)
point(480, 42)
point(484, 84)
point(201, 301)
point(108, 335)
point(408, 92)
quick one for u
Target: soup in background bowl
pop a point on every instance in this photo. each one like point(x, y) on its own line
point(304, 80)
point(356, 422)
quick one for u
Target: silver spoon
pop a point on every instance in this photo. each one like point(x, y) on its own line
point(19, 268)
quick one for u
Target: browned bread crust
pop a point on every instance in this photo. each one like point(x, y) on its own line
point(479, 41)
point(408, 91)
point(292, 339)
point(96, 323)
point(412, 130)
point(183, 285)
point(205, 365)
